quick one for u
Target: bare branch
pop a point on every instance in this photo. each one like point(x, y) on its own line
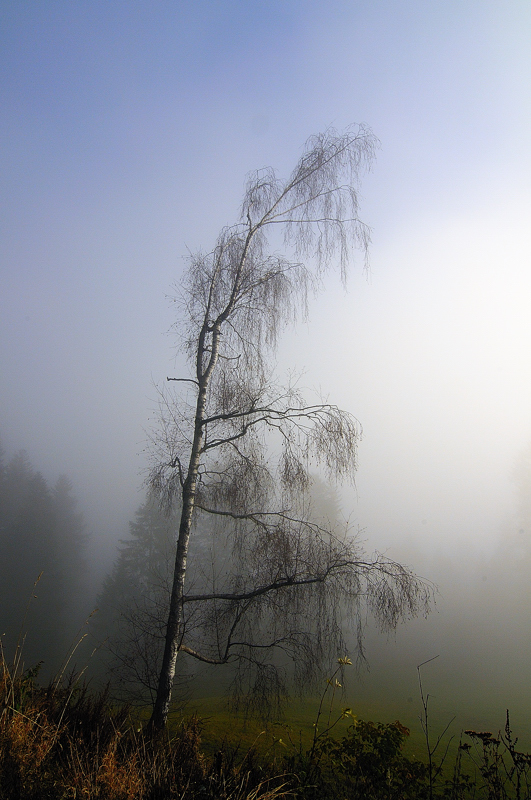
point(184, 380)
point(200, 657)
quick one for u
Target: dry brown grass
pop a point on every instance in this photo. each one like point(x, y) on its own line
point(62, 742)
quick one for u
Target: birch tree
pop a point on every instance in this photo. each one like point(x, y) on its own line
point(235, 445)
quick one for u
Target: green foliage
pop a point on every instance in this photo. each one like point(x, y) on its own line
point(367, 762)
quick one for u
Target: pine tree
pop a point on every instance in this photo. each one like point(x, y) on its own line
point(41, 557)
point(131, 606)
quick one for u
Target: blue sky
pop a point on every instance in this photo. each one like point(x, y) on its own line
point(127, 130)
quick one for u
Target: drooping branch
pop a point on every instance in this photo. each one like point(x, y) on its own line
point(382, 568)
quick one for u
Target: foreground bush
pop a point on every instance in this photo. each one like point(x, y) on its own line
point(367, 762)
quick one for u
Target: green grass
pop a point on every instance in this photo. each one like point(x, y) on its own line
point(295, 727)
point(63, 741)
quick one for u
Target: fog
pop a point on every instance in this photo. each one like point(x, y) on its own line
point(127, 133)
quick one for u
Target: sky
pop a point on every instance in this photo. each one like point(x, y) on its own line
point(127, 130)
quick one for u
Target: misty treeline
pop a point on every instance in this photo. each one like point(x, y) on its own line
point(45, 597)
point(482, 635)
point(43, 588)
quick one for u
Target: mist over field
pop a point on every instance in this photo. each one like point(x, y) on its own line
point(127, 135)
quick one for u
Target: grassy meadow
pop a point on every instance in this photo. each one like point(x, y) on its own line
point(295, 725)
point(64, 740)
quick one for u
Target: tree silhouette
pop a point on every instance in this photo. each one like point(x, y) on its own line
point(237, 446)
